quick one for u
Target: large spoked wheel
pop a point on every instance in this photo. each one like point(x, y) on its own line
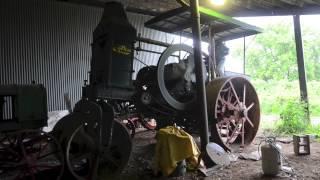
point(30, 154)
point(42, 154)
point(86, 159)
point(234, 111)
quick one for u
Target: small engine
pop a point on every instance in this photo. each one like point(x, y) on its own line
point(179, 80)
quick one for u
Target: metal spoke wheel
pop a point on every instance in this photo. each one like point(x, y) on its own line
point(86, 159)
point(30, 154)
point(234, 111)
point(10, 156)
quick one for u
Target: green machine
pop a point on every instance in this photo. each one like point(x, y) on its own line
point(26, 152)
point(23, 107)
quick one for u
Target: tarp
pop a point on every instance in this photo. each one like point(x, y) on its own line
point(174, 145)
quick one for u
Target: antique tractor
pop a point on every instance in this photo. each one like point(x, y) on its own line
point(93, 141)
point(96, 142)
point(26, 152)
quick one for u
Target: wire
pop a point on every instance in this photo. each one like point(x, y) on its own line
point(183, 3)
point(141, 61)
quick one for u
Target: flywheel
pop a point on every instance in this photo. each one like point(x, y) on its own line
point(176, 76)
point(85, 159)
point(233, 111)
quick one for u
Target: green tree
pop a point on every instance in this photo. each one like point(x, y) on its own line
point(311, 42)
point(271, 62)
point(272, 54)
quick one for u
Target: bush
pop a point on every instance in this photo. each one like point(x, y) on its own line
point(293, 118)
point(272, 95)
point(314, 130)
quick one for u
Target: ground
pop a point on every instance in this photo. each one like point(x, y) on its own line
point(140, 164)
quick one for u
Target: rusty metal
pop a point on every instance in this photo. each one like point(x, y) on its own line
point(30, 154)
point(133, 121)
point(234, 111)
point(148, 122)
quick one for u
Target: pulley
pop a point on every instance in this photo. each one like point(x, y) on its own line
point(176, 76)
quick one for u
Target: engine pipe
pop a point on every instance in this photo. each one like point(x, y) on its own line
point(151, 41)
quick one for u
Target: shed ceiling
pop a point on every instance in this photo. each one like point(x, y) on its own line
point(231, 8)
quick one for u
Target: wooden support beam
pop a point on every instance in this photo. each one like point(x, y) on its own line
point(300, 62)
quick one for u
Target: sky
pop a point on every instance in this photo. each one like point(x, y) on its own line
point(236, 65)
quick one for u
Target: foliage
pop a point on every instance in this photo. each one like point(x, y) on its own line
point(272, 65)
point(272, 54)
point(314, 130)
point(273, 94)
point(292, 118)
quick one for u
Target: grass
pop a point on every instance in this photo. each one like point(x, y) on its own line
point(271, 128)
point(281, 98)
point(293, 120)
point(314, 130)
point(273, 95)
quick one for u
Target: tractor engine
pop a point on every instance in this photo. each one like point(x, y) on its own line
point(179, 82)
point(167, 91)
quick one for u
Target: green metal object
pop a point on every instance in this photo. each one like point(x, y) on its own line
point(223, 27)
point(215, 14)
point(23, 107)
point(228, 19)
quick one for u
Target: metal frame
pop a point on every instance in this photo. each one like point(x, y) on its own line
point(240, 9)
point(179, 21)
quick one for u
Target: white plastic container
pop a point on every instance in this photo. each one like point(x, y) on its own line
point(271, 159)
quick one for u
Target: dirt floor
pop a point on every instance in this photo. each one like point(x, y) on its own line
point(305, 167)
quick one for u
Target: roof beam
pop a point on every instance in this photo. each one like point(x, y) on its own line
point(309, 10)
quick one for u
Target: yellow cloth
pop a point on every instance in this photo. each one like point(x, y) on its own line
point(174, 145)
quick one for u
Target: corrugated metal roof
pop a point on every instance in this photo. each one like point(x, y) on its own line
point(231, 8)
point(224, 27)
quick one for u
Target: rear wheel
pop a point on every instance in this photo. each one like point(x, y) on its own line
point(234, 111)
